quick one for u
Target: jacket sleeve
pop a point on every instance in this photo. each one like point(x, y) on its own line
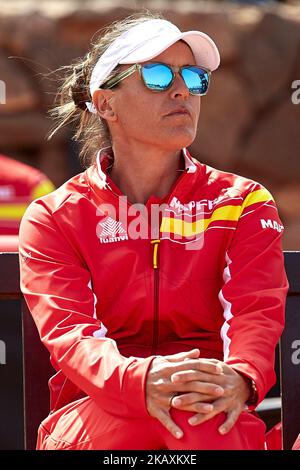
point(56, 285)
point(254, 292)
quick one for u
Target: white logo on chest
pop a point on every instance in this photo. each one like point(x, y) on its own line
point(109, 230)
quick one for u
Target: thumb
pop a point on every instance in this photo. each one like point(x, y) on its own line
point(192, 354)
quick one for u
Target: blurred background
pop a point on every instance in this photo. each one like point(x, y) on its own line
point(249, 121)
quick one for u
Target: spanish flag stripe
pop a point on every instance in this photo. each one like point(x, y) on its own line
point(261, 195)
point(187, 229)
point(228, 213)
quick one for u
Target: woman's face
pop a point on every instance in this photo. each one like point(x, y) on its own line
point(143, 115)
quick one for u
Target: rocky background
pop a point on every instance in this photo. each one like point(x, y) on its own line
point(250, 119)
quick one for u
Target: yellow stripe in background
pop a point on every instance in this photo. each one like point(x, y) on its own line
point(12, 211)
point(232, 213)
point(45, 187)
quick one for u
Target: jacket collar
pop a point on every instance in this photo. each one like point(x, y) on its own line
point(97, 178)
point(105, 158)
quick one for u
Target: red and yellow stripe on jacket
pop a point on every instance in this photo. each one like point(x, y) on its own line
point(188, 225)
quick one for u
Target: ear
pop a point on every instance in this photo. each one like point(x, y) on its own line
point(104, 102)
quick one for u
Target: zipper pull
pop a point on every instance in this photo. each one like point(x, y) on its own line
point(155, 253)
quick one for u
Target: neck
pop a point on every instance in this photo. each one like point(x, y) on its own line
point(142, 171)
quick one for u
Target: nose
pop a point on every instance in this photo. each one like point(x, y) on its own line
point(179, 88)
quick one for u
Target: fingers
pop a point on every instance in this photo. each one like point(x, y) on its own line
point(166, 420)
point(205, 388)
point(199, 365)
point(186, 399)
point(193, 354)
point(182, 376)
point(232, 417)
point(192, 402)
point(219, 406)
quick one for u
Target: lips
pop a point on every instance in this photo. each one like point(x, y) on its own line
point(179, 111)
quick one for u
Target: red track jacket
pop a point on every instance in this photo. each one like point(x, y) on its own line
point(106, 301)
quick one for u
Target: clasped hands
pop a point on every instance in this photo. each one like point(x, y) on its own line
point(203, 386)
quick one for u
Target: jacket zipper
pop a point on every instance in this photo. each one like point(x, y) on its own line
point(156, 272)
point(156, 281)
point(156, 296)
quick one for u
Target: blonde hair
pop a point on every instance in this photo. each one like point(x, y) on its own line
point(90, 130)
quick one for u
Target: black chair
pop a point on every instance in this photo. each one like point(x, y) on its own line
point(290, 354)
point(24, 374)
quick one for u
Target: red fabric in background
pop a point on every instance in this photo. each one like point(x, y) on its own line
point(9, 243)
point(274, 437)
point(296, 445)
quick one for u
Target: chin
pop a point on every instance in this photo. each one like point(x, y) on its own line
point(180, 139)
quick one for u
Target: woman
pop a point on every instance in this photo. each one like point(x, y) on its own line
point(157, 283)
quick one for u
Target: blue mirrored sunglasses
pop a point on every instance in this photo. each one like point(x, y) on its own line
point(159, 77)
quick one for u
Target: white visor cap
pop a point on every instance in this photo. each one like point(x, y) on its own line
point(144, 42)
